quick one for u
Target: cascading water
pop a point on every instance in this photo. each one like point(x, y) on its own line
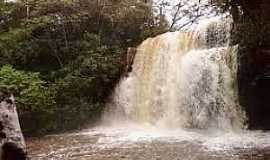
point(178, 81)
point(182, 80)
point(175, 104)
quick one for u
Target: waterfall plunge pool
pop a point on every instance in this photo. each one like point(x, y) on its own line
point(148, 143)
point(178, 81)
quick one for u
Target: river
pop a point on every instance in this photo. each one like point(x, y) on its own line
point(135, 143)
point(182, 96)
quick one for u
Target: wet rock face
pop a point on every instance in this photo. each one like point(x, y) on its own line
point(11, 138)
point(252, 33)
point(254, 85)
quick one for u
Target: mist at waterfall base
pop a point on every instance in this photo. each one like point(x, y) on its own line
point(182, 87)
point(182, 80)
point(178, 102)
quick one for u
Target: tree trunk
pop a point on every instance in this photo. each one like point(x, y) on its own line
point(12, 141)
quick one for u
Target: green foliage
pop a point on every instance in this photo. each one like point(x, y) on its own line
point(32, 95)
point(29, 89)
point(77, 47)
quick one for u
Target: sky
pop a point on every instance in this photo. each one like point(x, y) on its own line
point(195, 7)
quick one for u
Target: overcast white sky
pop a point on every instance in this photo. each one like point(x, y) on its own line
point(188, 3)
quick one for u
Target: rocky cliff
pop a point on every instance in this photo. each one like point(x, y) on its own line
point(252, 33)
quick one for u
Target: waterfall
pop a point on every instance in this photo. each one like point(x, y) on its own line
point(182, 80)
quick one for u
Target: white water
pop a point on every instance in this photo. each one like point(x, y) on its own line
point(179, 102)
point(137, 142)
point(182, 80)
point(129, 135)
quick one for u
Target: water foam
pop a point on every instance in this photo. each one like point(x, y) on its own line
point(182, 80)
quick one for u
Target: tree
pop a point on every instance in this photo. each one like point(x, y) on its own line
point(78, 48)
point(30, 91)
point(184, 13)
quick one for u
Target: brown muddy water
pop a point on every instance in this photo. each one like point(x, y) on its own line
point(134, 143)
